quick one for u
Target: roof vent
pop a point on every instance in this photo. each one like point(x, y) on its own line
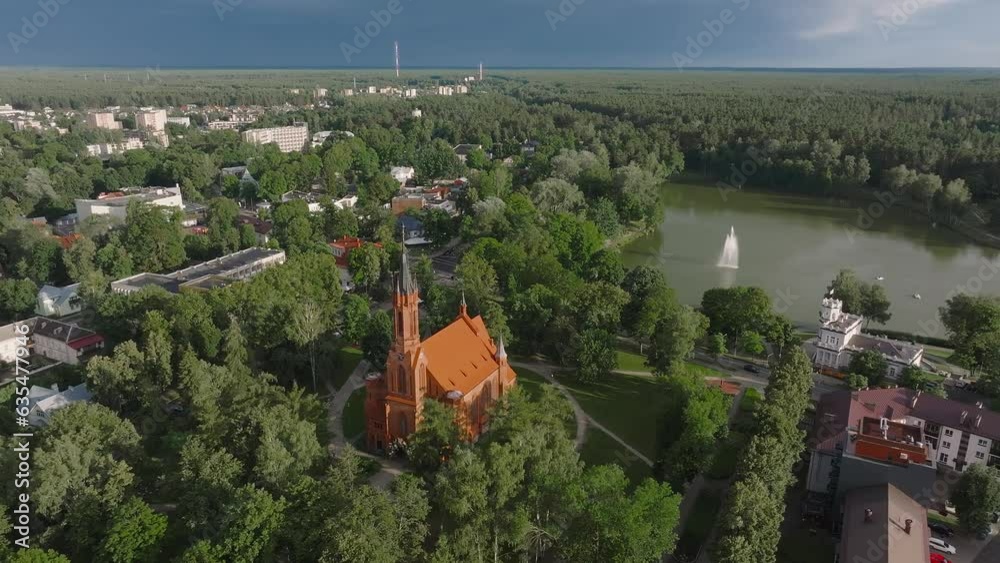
point(965, 415)
point(979, 404)
point(909, 526)
point(868, 515)
point(979, 420)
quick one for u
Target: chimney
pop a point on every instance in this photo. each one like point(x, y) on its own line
point(979, 404)
point(909, 525)
point(868, 515)
point(965, 415)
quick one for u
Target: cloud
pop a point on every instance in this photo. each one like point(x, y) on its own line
point(845, 17)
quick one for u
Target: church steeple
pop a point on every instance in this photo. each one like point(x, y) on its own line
point(463, 309)
point(406, 305)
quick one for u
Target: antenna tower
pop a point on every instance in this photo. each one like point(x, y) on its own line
point(397, 59)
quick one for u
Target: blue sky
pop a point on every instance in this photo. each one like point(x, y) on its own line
point(624, 33)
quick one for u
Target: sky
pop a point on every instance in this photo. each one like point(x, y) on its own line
point(501, 33)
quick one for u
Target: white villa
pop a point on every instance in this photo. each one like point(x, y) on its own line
point(840, 338)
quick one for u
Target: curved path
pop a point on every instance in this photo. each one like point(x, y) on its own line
point(583, 420)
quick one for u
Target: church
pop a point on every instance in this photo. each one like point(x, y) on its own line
point(460, 366)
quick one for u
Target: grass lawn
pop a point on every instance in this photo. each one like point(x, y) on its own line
point(628, 405)
point(751, 398)
point(600, 449)
point(699, 524)
point(724, 462)
point(354, 414)
point(345, 360)
point(631, 361)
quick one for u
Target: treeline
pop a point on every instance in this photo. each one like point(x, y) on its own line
point(751, 517)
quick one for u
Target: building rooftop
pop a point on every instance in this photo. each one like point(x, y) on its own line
point(840, 411)
point(894, 350)
point(192, 276)
point(74, 336)
point(883, 516)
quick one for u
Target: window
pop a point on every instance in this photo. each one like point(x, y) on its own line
point(980, 455)
point(943, 458)
point(401, 381)
point(983, 443)
point(404, 427)
point(946, 445)
point(948, 432)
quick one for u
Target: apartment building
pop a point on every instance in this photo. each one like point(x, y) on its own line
point(151, 120)
point(103, 120)
point(115, 204)
point(63, 342)
point(182, 121)
point(289, 139)
point(898, 436)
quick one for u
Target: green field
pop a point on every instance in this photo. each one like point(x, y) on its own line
point(628, 405)
point(600, 449)
point(345, 360)
point(354, 415)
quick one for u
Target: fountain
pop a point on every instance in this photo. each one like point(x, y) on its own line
point(730, 257)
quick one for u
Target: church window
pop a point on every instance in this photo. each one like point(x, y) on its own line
point(401, 381)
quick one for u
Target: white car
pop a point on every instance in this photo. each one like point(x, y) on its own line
point(942, 546)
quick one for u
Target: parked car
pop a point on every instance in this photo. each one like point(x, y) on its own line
point(941, 529)
point(938, 558)
point(751, 368)
point(942, 546)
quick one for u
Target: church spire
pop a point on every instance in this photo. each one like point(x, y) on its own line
point(501, 352)
point(404, 283)
point(463, 309)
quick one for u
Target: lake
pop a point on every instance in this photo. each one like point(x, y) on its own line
point(793, 246)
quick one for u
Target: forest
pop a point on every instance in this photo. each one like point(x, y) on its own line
point(207, 438)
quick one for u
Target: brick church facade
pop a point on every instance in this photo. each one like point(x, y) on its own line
point(460, 366)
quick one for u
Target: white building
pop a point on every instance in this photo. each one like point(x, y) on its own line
point(410, 93)
point(116, 204)
point(43, 401)
point(9, 343)
point(319, 138)
point(445, 91)
point(403, 174)
point(320, 92)
point(840, 338)
point(417, 113)
point(183, 121)
point(151, 120)
point(103, 120)
point(55, 301)
point(107, 150)
point(63, 342)
point(461, 89)
point(346, 202)
point(289, 139)
point(348, 92)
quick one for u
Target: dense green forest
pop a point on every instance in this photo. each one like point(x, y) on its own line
point(207, 439)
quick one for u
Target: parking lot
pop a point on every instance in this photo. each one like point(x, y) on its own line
point(971, 550)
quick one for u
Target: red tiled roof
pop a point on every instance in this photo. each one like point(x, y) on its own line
point(461, 355)
point(90, 340)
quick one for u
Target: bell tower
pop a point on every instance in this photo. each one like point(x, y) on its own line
point(406, 366)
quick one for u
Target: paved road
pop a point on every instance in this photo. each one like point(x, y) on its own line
point(990, 553)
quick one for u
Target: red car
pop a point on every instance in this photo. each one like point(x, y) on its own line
point(938, 558)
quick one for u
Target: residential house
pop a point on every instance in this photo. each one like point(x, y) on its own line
point(403, 203)
point(403, 174)
point(43, 401)
point(261, 228)
point(63, 342)
point(55, 301)
point(413, 230)
point(343, 247)
point(463, 150)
